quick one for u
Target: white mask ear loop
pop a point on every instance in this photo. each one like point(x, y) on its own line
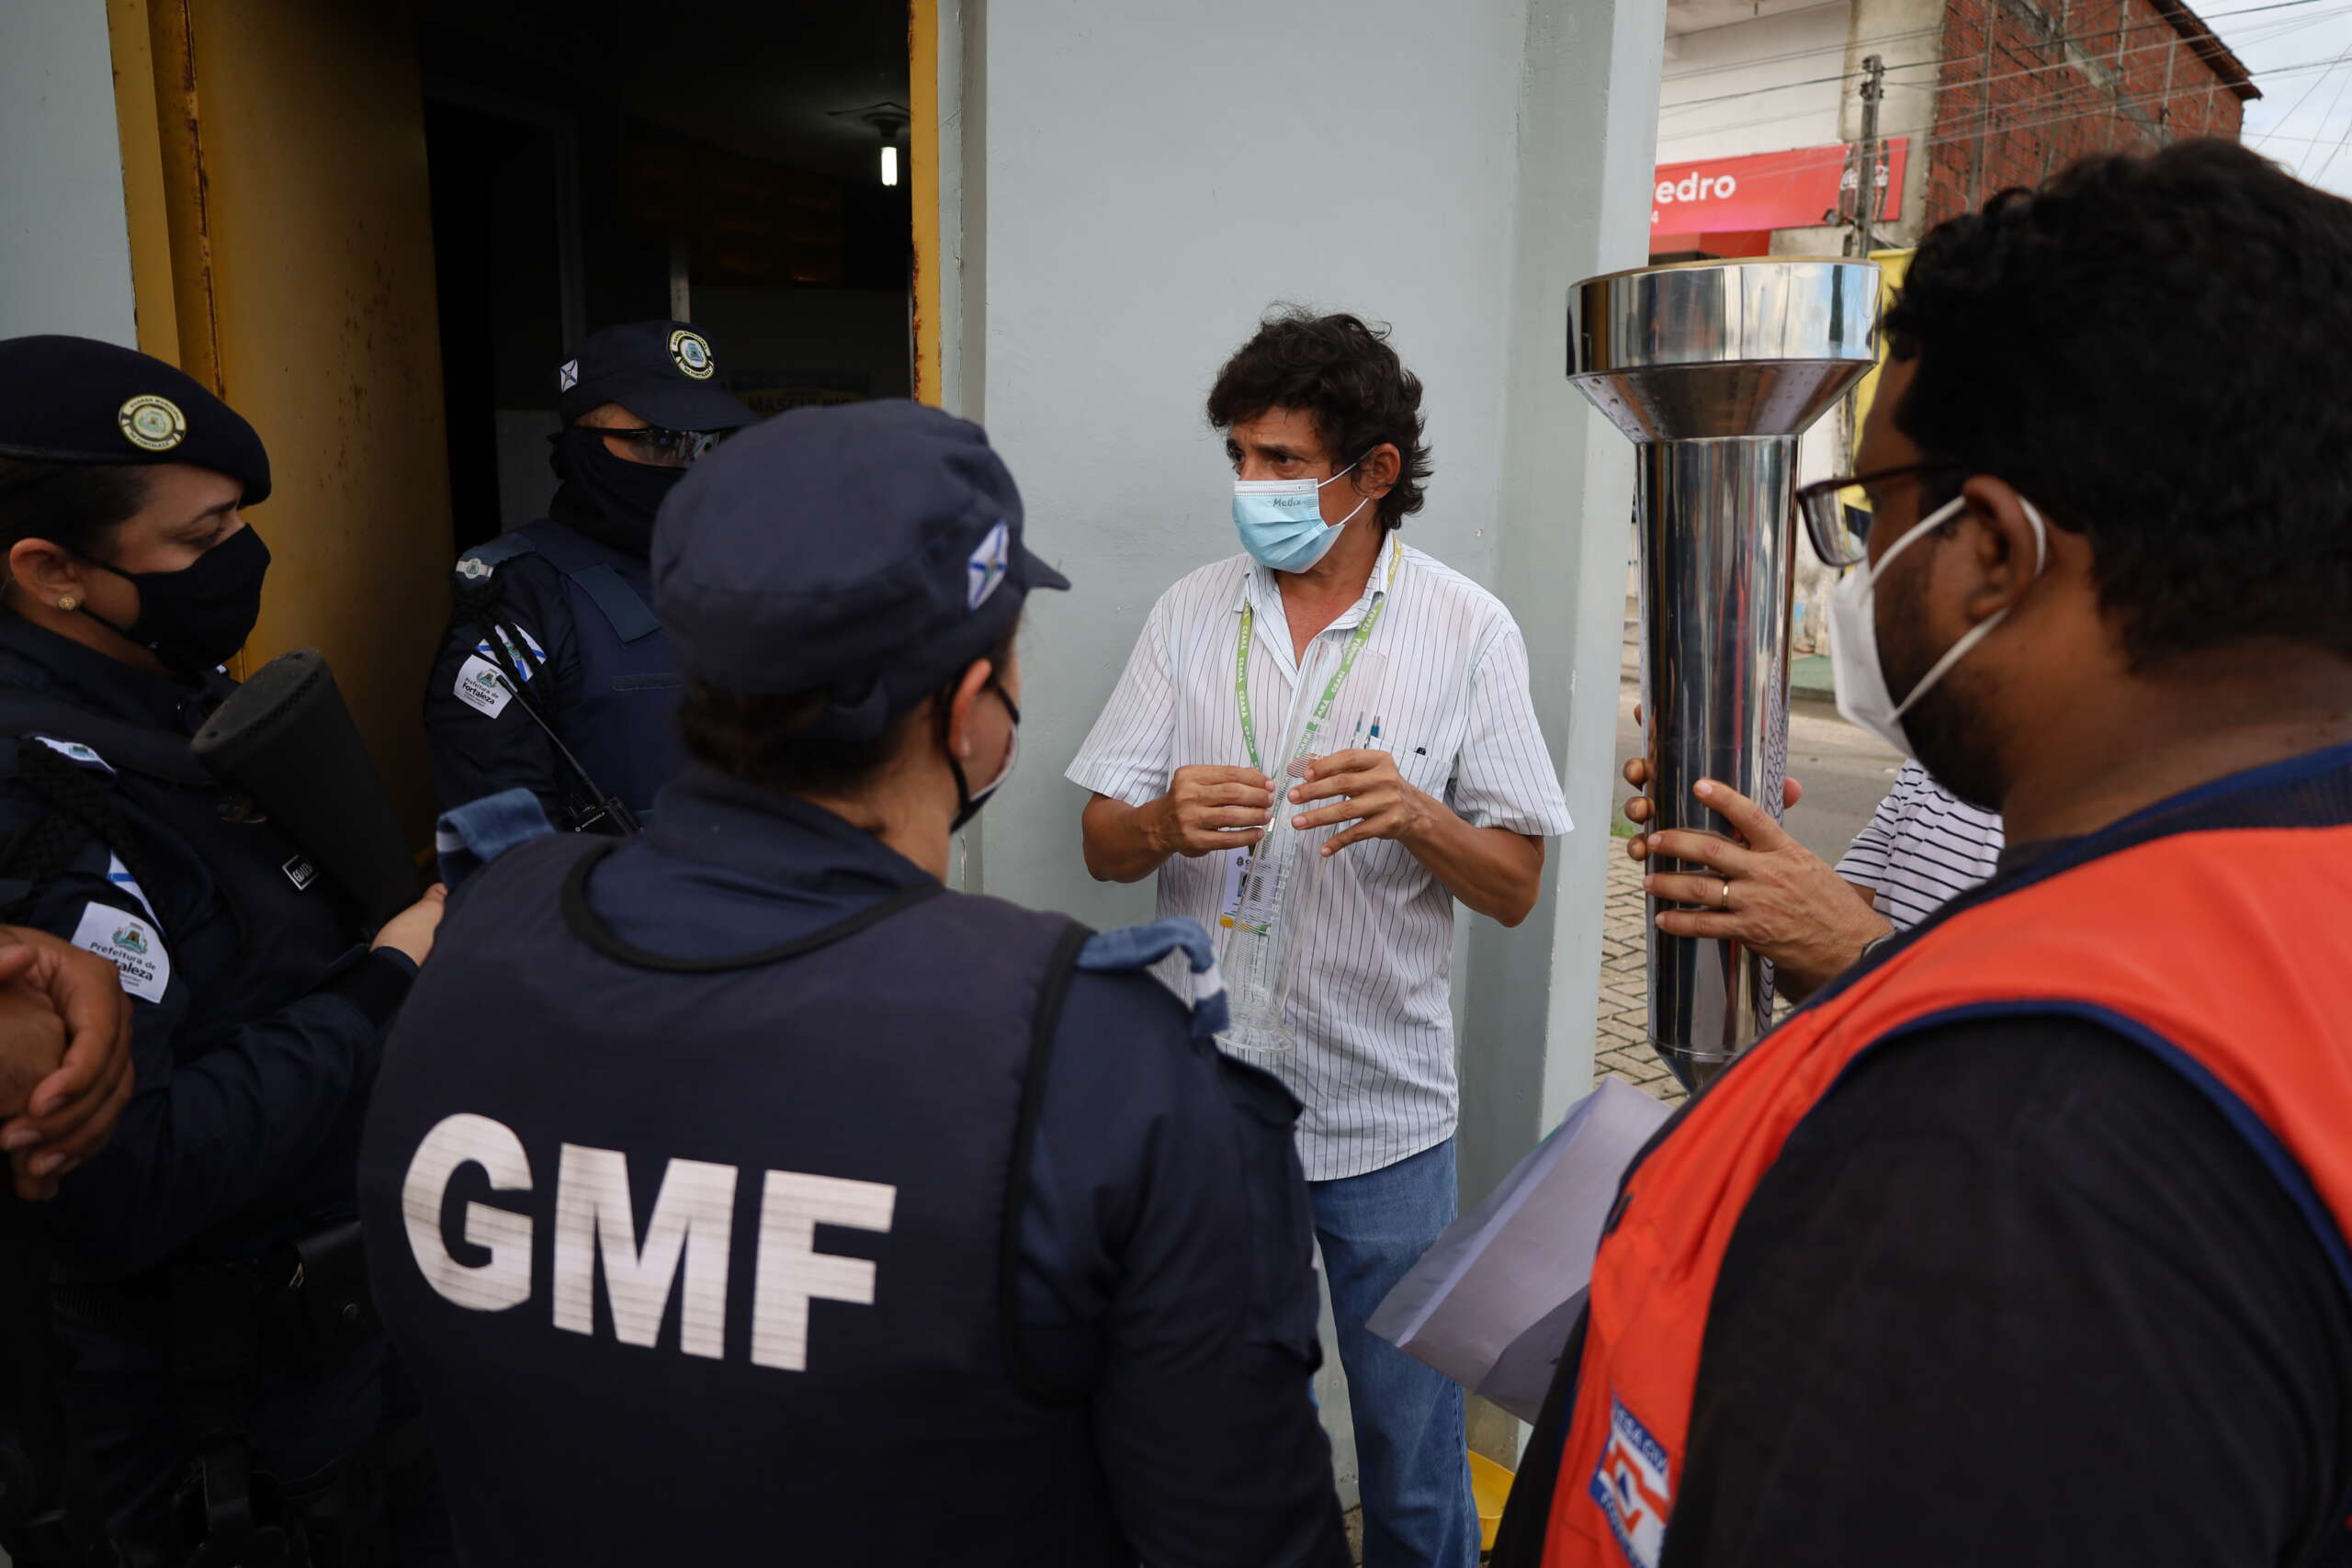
point(1920, 530)
point(1984, 628)
point(1335, 479)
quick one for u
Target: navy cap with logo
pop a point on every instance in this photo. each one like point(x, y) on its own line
point(663, 372)
point(77, 400)
point(869, 550)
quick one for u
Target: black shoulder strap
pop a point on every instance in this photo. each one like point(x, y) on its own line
point(1047, 1022)
point(155, 752)
point(589, 566)
point(79, 811)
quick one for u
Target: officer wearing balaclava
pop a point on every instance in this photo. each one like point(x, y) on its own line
point(555, 675)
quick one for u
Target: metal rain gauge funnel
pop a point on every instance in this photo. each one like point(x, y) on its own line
point(1714, 369)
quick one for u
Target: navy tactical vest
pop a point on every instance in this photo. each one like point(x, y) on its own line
point(623, 726)
point(249, 923)
point(708, 1260)
point(284, 929)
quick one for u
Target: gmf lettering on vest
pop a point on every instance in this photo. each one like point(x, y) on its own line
point(688, 1247)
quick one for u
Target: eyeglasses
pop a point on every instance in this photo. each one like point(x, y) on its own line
point(1837, 512)
point(657, 447)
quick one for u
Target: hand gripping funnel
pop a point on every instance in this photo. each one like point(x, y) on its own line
point(1714, 369)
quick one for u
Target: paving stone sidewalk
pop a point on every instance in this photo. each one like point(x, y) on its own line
point(1620, 1045)
point(1621, 1038)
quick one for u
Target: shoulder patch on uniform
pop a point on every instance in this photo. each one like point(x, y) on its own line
point(1140, 947)
point(484, 558)
point(133, 945)
point(482, 686)
point(75, 752)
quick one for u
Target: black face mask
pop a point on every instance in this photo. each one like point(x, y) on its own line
point(621, 497)
point(968, 804)
point(195, 617)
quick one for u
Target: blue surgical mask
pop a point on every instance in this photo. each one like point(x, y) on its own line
point(1281, 521)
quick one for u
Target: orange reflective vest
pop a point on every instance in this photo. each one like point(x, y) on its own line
point(2214, 931)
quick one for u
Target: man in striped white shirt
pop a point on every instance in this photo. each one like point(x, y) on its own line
point(1923, 847)
point(1433, 772)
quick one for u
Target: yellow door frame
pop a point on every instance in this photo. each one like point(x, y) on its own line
point(332, 355)
point(137, 91)
point(922, 131)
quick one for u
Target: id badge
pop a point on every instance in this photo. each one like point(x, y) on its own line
point(1230, 901)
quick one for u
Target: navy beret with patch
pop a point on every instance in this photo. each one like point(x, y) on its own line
point(872, 551)
point(77, 400)
point(663, 372)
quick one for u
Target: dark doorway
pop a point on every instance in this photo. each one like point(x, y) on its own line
point(717, 159)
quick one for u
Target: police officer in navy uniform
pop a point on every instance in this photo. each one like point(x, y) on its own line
point(204, 1261)
point(737, 1193)
point(555, 675)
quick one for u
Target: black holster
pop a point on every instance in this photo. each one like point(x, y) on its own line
point(304, 1309)
point(49, 1516)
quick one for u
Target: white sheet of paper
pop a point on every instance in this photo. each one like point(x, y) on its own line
point(1518, 1258)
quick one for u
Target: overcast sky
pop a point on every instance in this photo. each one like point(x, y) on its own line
point(2301, 54)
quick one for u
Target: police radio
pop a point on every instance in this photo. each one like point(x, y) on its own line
point(599, 811)
point(286, 739)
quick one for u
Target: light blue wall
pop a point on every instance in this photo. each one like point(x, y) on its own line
point(64, 243)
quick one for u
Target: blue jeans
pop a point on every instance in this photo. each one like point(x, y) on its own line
point(1411, 1446)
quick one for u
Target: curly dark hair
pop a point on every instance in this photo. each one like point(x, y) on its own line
point(1339, 370)
point(2154, 349)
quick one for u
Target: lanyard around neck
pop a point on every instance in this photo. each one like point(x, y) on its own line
point(1339, 676)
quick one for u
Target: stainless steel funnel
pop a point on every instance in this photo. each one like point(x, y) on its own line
point(1714, 369)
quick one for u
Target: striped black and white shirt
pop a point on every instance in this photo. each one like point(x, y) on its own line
point(1369, 1006)
point(1923, 849)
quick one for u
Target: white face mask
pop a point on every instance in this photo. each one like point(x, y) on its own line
point(1860, 679)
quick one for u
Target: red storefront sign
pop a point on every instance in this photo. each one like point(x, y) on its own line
point(1797, 189)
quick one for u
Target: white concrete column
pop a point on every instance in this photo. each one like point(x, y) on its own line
point(64, 240)
point(1588, 115)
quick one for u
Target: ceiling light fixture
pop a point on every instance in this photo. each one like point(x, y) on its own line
point(890, 122)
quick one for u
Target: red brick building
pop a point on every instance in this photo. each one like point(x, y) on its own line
point(1765, 109)
point(2026, 87)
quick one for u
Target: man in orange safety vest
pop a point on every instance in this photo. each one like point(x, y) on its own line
point(2023, 1243)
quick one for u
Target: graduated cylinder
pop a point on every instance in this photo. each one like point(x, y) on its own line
point(1714, 369)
